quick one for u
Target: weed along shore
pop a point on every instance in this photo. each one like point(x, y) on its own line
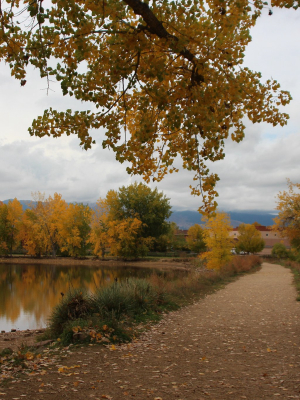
point(116, 315)
point(235, 343)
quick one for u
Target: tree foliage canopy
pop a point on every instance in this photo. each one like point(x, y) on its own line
point(217, 240)
point(139, 201)
point(250, 240)
point(195, 239)
point(162, 78)
point(288, 220)
point(10, 220)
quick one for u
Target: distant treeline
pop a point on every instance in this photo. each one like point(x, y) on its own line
point(127, 223)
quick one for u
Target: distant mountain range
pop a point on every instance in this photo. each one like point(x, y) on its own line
point(185, 219)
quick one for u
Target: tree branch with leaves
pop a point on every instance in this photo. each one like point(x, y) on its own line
point(162, 79)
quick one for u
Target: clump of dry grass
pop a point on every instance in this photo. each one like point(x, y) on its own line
point(241, 264)
point(200, 280)
point(125, 304)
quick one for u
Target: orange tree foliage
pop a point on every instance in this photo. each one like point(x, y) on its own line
point(162, 78)
point(52, 225)
point(288, 220)
point(218, 241)
point(125, 239)
point(33, 237)
point(49, 215)
point(75, 229)
point(121, 232)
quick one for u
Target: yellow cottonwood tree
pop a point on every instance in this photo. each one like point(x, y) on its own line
point(75, 229)
point(165, 78)
point(99, 227)
point(218, 241)
point(50, 214)
point(125, 239)
point(33, 237)
point(287, 223)
point(122, 235)
point(10, 222)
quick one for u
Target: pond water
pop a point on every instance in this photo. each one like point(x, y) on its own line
point(29, 292)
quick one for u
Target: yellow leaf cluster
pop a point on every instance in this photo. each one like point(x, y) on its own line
point(287, 223)
point(165, 79)
point(218, 241)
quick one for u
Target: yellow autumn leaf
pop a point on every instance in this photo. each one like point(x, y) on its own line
point(29, 356)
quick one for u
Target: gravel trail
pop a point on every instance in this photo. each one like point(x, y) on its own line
point(242, 342)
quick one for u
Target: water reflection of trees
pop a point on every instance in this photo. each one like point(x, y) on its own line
point(36, 289)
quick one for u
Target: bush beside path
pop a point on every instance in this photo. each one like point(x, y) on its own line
point(241, 342)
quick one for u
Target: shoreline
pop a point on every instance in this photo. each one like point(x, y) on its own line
point(164, 264)
point(28, 337)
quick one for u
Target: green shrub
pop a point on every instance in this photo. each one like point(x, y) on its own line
point(280, 251)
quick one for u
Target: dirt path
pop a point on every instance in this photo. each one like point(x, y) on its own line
point(240, 343)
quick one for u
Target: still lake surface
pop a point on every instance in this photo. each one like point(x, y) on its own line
point(29, 292)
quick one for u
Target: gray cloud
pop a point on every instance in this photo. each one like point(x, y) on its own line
point(253, 172)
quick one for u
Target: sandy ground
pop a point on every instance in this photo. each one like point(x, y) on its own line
point(241, 342)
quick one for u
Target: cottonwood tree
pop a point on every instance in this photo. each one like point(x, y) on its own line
point(162, 78)
point(217, 240)
point(50, 214)
point(75, 229)
point(195, 239)
point(99, 228)
point(125, 239)
point(249, 240)
point(33, 236)
point(139, 201)
point(128, 220)
point(10, 221)
point(287, 223)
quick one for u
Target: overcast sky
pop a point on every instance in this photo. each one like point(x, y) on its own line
point(252, 173)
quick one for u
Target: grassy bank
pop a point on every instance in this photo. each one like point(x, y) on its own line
point(295, 268)
point(118, 313)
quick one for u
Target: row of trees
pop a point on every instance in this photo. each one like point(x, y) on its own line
point(287, 223)
point(129, 221)
point(219, 243)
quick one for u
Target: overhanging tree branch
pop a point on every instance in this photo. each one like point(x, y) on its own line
point(154, 26)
